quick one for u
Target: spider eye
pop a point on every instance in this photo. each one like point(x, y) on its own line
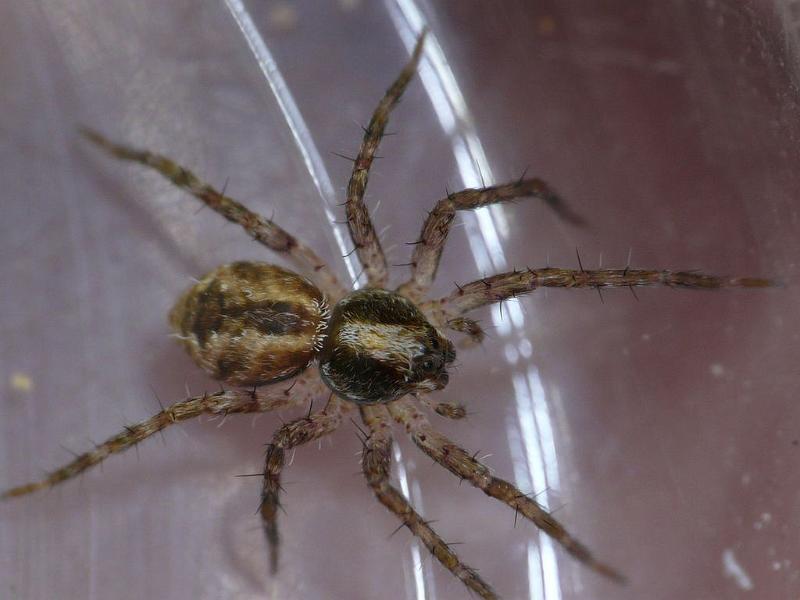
point(430, 366)
point(435, 343)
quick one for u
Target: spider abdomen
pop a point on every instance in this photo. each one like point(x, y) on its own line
point(249, 323)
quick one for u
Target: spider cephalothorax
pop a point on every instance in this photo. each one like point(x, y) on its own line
point(252, 324)
point(380, 346)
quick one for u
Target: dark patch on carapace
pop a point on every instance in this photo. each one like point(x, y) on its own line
point(378, 306)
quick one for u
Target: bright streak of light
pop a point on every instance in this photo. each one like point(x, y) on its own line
point(480, 253)
point(552, 586)
point(535, 583)
point(297, 125)
point(538, 447)
point(519, 463)
point(503, 325)
point(454, 117)
point(419, 581)
point(515, 313)
point(530, 439)
point(544, 427)
point(416, 557)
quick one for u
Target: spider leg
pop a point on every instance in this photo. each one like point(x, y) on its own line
point(221, 403)
point(362, 232)
point(428, 249)
point(515, 283)
point(262, 229)
point(459, 462)
point(470, 327)
point(375, 462)
point(445, 409)
point(292, 434)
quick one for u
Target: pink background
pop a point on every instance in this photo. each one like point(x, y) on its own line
point(671, 126)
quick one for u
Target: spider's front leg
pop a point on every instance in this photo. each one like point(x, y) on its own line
point(221, 403)
point(456, 460)
point(262, 229)
point(428, 248)
point(291, 435)
point(448, 410)
point(375, 462)
point(362, 231)
point(505, 286)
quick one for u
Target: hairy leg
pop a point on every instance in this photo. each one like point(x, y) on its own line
point(362, 232)
point(228, 402)
point(293, 434)
point(470, 327)
point(375, 462)
point(445, 409)
point(515, 283)
point(262, 229)
point(428, 249)
point(456, 460)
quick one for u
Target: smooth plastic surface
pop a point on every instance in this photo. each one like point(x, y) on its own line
point(671, 126)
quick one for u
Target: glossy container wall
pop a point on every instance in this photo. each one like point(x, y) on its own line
point(663, 427)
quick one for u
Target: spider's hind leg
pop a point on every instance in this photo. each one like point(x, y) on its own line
point(291, 435)
point(375, 462)
point(263, 230)
point(456, 460)
point(221, 403)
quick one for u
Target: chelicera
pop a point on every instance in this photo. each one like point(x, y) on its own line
point(279, 339)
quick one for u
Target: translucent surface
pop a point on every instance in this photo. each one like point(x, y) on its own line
point(666, 428)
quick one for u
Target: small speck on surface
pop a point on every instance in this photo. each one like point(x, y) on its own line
point(763, 520)
point(20, 382)
point(349, 5)
point(545, 25)
point(716, 369)
point(283, 16)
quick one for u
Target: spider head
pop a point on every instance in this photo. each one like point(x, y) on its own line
point(380, 346)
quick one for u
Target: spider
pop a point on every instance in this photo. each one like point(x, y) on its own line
point(280, 340)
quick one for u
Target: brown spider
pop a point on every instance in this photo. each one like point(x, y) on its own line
point(252, 324)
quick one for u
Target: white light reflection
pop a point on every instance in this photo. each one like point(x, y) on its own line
point(451, 110)
point(531, 435)
point(297, 125)
point(552, 586)
point(530, 439)
point(544, 427)
point(535, 448)
point(535, 582)
point(416, 558)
